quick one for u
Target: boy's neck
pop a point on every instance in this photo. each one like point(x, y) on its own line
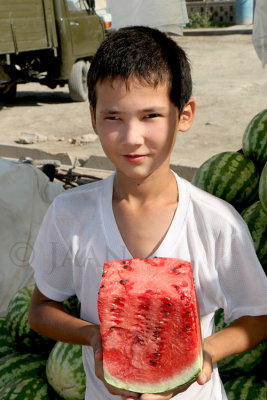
point(153, 188)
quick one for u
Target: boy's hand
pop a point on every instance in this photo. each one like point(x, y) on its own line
point(97, 348)
point(202, 378)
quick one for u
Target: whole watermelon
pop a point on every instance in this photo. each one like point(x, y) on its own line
point(6, 343)
point(255, 139)
point(230, 176)
point(28, 388)
point(263, 188)
point(72, 306)
point(256, 219)
point(25, 338)
point(246, 387)
point(65, 372)
point(20, 365)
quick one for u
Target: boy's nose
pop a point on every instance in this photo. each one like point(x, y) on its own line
point(133, 134)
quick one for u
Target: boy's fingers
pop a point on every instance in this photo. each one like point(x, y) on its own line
point(206, 372)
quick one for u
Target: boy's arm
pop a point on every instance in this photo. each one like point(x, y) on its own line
point(49, 318)
point(241, 335)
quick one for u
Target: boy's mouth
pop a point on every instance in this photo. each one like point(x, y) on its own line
point(135, 157)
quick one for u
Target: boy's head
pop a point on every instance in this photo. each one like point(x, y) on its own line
point(146, 54)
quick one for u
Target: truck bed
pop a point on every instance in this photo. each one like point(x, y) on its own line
point(26, 25)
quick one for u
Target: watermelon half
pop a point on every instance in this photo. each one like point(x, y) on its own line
point(149, 324)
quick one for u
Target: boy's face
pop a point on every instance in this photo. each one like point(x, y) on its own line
point(137, 126)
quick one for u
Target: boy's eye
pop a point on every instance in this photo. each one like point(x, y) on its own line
point(112, 118)
point(152, 115)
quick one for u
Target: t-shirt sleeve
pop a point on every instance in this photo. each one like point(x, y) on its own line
point(242, 278)
point(51, 259)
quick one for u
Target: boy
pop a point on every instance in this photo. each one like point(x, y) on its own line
point(140, 97)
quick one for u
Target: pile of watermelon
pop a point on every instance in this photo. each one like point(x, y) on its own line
point(240, 178)
point(33, 367)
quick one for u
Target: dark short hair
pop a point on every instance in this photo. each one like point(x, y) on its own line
point(146, 54)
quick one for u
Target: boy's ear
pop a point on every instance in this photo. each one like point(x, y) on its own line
point(93, 118)
point(187, 116)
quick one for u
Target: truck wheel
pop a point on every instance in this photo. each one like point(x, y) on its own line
point(8, 96)
point(78, 81)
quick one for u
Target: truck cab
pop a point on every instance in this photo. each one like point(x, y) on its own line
point(48, 41)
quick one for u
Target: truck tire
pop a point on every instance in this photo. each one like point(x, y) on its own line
point(8, 96)
point(78, 81)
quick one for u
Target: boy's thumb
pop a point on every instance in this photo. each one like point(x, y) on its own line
point(99, 354)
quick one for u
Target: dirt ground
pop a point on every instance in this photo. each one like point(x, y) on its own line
point(230, 87)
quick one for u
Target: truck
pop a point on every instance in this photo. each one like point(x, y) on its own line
point(48, 41)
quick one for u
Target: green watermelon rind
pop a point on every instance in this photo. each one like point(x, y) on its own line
point(17, 323)
point(254, 141)
point(230, 176)
point(18, 365)
point(27, 388)
point(256, 220)
point(246, 387)
point(183, 379)
point(65, 371)
point(6, 345)
point(263, 188)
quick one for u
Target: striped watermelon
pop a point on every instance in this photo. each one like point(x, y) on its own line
point(256, 219)
point(239, 364)
point(246, 388)
point(29, 388)
point(3, 328)
point(72, 306)
point(18, 326)
point(255, 139)
point(19, 365)
point(230, 176)
point(263, 188)
point(65, 372)
point(6, 343)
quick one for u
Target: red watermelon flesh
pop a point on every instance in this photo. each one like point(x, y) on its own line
point(149, 324)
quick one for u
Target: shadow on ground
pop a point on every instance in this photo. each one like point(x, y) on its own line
point(31, 98)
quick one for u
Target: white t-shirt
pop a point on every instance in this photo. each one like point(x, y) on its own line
point(79, 234)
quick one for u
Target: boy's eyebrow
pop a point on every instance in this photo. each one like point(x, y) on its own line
point(151, 109)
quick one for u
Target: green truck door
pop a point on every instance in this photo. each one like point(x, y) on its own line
point(86, 30)
point(26, 25)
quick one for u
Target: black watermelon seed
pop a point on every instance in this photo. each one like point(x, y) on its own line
point(166, 312)
point(187, 327)
point(123, 282)
point(153, 362)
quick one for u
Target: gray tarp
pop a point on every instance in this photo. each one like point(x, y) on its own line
point(25, 194)
point(259, 36)
point(167, 15)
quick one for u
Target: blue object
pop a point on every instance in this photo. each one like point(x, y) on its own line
point(243, 12)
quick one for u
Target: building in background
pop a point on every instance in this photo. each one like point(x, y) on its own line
point(168, 15)
point(259, 36)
